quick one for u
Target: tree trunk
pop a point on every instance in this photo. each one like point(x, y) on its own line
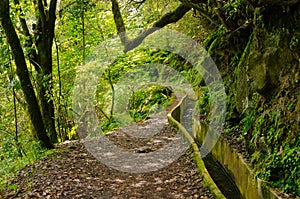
point(45, 89)
point(41, 58)
point(22, 72)
point(44, 34)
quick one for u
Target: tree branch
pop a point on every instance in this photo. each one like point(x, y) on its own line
point(172, 17)
point(119, 22)
point(168, 18)
point(42, 14)
point(61, 11)
point(137, 3)
point(52, 15)
point(22, 19)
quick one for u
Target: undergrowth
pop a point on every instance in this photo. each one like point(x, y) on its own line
point(11, 162)
point(143, 99)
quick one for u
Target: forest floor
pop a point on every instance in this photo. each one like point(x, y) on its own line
point(74, 172)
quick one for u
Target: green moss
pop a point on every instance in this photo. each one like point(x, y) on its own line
point(242, 79)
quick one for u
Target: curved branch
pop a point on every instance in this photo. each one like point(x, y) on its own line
point(42, 14)
point(168, 18)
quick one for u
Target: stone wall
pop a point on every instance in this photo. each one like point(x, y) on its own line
point(233, 162)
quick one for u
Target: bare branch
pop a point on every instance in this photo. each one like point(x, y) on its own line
point(119, 21)
point(139, 39)
point(52, 15)
point(172, 17)
point(41, 9)
point(168, 18)
point(137, 3)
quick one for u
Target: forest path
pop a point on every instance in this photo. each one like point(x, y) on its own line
point(75, 173)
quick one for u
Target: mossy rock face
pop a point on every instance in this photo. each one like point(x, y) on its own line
point(242, 89)
point(269, 54)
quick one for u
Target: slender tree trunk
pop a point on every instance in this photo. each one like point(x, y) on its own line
point(45, 90)
point(11, 79)
point(22, 72)
point(44, 34)
point(113, 96)
point(58, 109)
point(18, 145)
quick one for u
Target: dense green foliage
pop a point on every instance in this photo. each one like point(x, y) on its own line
point(254, 48)
point(146, 101)
point(255, 45)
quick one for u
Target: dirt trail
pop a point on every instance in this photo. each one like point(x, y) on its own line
point(75, 173)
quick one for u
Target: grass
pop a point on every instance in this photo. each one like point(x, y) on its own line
point(11, 164)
